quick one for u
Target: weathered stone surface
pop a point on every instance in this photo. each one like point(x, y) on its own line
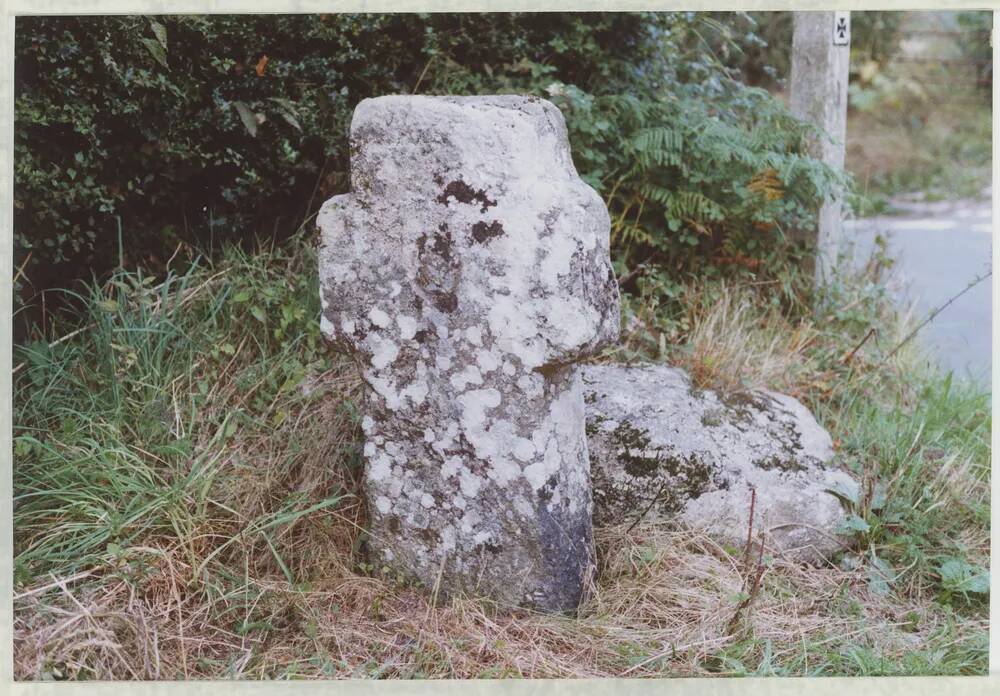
point(467, 271)
point(653, 436)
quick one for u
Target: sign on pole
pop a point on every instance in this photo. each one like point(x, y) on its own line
point(841, 28)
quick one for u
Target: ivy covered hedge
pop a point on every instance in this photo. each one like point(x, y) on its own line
point(134, 133)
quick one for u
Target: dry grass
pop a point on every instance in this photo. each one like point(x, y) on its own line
point(661, 607)
point(239, 582)
point(733, 346)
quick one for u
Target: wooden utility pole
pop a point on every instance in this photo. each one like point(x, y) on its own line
point(821, 51)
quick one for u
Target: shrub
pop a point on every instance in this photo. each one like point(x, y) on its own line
point(134, 134)
point(193, 127)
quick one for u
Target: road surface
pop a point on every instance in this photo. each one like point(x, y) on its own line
point(939, 249)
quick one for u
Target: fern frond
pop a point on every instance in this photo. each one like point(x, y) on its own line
point(766, 183)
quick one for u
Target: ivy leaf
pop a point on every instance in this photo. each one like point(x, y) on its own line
point(854, 525)
point(880, 575)
point(21, 447)
point(879, 497)
point(958, 575)
point(160, 31)
point(249, 122)
point(291, 120)
point(979, 583)
point(846, 490)
point(287, 111)
point(877, 584)
point(286, 104)
point(157, 51)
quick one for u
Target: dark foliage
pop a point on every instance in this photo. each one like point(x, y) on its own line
point(136, 134)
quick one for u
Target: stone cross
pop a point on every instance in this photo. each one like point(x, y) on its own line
point(467, 271)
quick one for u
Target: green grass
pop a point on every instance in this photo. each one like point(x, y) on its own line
point(122, 434)
point(186, 502)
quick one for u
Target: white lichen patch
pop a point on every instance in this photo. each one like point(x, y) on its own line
point(523, 448)
point(384, 388)
point(487, 361)
point(469, 375)
point(326, 326)
point(384, 353)
point(381, 467)
point(503, 470)
point(416, 392)
point(470, 483)
point(379, 318)
point(407, 326)
point(451, 466)
point(474, 335)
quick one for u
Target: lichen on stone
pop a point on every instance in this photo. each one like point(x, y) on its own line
point(468, 281)
point(697, 455)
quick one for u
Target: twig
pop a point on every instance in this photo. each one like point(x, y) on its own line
point(422, 73)
point(174, 255)
point(436, 589)
point(55, 343)
point(663, 484)
point(754, 587)
point(850, 356)
point(751, 596)
point(674, 649)
point(180, 616)
point(636, 272)
point(21, 269)
point(976, 281)
point(749, 547)
point(58, 583)
point(319, 180)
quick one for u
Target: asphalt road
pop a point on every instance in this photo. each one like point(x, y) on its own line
point(939, 249)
